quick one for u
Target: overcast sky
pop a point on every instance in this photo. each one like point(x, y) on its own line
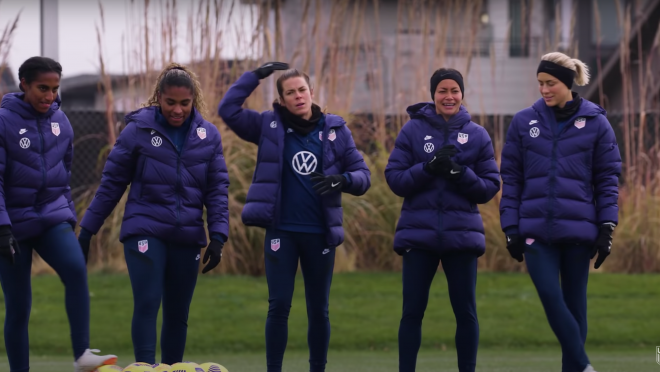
point(78, 47)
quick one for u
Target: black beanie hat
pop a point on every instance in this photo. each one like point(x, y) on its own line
point(443, 74)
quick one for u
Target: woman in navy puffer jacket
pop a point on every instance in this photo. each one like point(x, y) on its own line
point(173, 159)
point(37, 213)
point(443, 166)
point(560, 167)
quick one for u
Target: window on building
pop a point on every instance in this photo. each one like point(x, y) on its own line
point(606, 25)
point(452, 22)
point(519, 14)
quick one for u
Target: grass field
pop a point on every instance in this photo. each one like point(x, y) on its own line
point(228, 313)
point(429, 361)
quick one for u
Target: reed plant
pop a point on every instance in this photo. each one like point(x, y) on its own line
point(335, 44)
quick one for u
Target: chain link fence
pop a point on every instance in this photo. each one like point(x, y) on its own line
point(90, 145)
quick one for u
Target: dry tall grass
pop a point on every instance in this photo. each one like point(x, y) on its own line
point(6, 38)
point(334, 45)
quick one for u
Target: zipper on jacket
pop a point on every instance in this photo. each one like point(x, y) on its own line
point(41, 156)
point(43, 166)
point(553, 173)
point(178, 178)
point(445, 142)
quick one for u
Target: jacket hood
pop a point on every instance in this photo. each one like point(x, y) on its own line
point(14, 102)
point(148, 116)
point(587, 109)
point(426, 111)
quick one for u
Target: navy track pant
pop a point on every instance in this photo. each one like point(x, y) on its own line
point(160, 272)
point(419, 268)
point(59, 247)
point(560, 274)
point(281, 253)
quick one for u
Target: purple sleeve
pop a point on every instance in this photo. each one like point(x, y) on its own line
point(481, 184)
point(512, 178)
point(117, 174)
point(216, 198)
point(606, 172)
point(4, 216)
point(356, 168)
point(68, 159)
point(245, 123)
point(403, 176)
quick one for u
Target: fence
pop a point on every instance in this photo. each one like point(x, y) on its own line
point(90, 128)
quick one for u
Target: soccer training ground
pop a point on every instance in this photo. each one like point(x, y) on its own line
point(227, 318)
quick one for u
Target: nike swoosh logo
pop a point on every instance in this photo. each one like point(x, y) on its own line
point(452, 172)
point(335, 184)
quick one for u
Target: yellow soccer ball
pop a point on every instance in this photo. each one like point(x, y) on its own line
point(213, 367)
point(186, 367)
point(109, 369)
point(139, 367)
point(162, 367)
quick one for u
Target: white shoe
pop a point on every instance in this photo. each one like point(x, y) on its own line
point(89, 362)
point(589, 369)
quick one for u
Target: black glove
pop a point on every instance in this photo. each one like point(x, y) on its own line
point(267, 69)
point(8, 244)
point(85, 240)
point(213, 255)
point(603, 243)
point(441, 162)
point(515, 247)
point(327, 184)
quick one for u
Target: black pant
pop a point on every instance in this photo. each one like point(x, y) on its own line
point(281, 253)
point(419, 268)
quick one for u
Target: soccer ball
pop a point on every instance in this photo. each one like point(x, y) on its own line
point(139, 367)
point(161, 367)
point(213, 367)
point(186, 367)
point(109, 369)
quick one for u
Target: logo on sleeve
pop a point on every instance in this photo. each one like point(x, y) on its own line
point(55, 127)
point(201, 132)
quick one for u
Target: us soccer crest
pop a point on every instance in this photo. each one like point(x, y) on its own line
point(201, 132)
point(462, 138)
point(55, 127)
point(332, 135)
point(274, 244)
point(143, 246)
point(580, 123)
